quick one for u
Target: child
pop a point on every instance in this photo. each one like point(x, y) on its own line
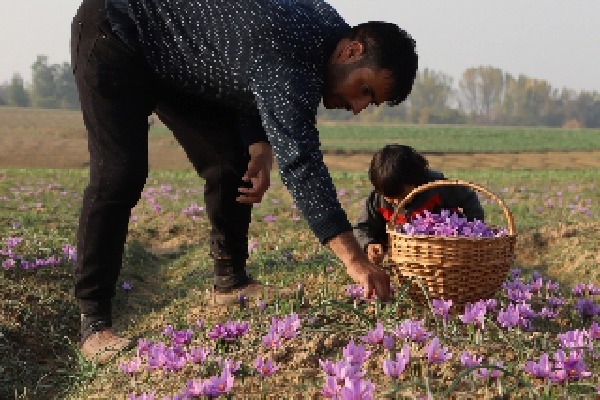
point(394, 172)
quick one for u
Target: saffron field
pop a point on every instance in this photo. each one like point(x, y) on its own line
point(538, 338)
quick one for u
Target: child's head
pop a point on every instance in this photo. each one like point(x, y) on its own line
point(397, 169)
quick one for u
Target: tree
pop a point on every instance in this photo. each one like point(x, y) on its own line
point(66, 91)
point(15, 92)
point(430, 96)
point(43, 87)
point(482, 88)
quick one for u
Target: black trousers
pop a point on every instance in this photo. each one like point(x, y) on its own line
point(118, 91)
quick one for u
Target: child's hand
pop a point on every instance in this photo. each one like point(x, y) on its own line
point(375, 253)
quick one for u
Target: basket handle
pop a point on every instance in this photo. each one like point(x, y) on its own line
point(455, 182)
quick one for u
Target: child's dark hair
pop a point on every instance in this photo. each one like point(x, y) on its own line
point(395, 165)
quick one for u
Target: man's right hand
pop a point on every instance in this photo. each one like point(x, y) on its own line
point(374, 280)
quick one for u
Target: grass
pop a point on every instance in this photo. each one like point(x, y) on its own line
point(167, 265)
point(27, 123)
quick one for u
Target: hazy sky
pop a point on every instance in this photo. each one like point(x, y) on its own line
point(555, 40)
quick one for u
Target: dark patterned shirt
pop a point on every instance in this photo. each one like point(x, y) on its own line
point(265, 58)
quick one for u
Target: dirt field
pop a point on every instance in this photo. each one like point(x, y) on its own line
point(50, 151)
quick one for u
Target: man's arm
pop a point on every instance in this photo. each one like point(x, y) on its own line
point(373, 279)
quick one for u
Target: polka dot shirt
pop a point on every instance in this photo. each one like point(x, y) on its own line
point(264, 58)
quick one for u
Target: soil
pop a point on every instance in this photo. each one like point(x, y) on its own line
point(50, 151)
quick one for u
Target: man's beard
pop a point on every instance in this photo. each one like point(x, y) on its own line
point(336, 76)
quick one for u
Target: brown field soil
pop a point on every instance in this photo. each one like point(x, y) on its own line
point(34, 138)
point(67, 150)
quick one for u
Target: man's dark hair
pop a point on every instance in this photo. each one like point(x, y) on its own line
point(395, 165)
point(387, 46)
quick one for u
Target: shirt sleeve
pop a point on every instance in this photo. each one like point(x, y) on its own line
point(287, 97)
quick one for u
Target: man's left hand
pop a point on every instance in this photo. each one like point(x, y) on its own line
point(258, 174)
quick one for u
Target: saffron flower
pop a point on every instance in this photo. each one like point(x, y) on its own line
point(374, 336)
point(394, 369)
point(216, 386)
point(412, 330)
point(264, 366)
point(539, 369)
point(474, 313)
point(198, 355)
point(341, 370)
point(131, 366)
point(441, 307)
point(486, 373)
point(509, 317)
point(470, 360)
point(357, 389)
point(355, 291)
point(355, 355)
point(436, 354)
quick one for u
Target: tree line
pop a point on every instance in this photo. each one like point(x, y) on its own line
point(485, 95)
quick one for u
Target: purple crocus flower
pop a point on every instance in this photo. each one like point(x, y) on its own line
point(374, 336)
point(539, 369)
point(342, 369)
point(264, 366)
point(330, 389)
point(436, 354)
point(509, 317)
point(388, 342)
point(412, 330)
point(470, 360)
point(485, 373)
point(394, 369)
point(573, 365)
point(70, 252)
point(594, 331)
point(355, 291)
point(579, 290)
point(576, 339)
point(271, 340)
point(131, 366)
point(442, 307)
point(228, 364)
point(357, 389)
point(355, 355)
point(216, 386)
point(587, 308)
point(182, 337)
point(198, 355)
point(474, 314)
point(269, 218)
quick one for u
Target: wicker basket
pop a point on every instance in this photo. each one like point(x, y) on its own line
point(462, 269)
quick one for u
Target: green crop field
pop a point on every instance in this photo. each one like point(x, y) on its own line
point(27, 123)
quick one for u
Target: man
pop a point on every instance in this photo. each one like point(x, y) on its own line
point(235, 82)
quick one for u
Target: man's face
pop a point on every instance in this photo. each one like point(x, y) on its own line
point(354, 87)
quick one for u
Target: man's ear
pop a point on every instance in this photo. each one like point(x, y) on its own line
point(351, 51)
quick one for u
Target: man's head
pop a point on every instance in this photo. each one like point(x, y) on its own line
point(397, 169)
point(375, 62)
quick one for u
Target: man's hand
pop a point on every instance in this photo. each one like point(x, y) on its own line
point(373, 279)
point(258, 174)
point(375, 253)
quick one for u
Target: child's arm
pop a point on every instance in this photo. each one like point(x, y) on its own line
point(370, 227)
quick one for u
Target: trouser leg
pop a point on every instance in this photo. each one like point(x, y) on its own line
point(209, 135)
point(116, 96)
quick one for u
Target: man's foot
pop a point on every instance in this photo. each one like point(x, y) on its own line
point(102, 346)
point(250, 290)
